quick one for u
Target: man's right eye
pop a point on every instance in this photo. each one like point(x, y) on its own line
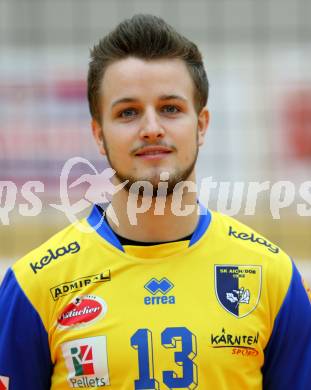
point(127, 113)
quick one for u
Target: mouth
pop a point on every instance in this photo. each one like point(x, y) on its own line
point(153, 152)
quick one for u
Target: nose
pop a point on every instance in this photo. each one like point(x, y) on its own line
point(151, 129)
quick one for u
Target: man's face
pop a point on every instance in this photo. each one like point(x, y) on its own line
point(149, 122)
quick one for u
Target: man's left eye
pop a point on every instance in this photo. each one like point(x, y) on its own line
point(170, 109)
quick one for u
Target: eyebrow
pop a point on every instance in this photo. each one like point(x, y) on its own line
point(172, 97)
point(162, 97)
point(123, 100)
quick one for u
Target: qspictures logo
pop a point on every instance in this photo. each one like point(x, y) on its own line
point(233, 198)
point(86, 361)
point(73, 247)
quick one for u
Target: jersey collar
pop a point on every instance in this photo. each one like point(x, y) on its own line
point(98, 223)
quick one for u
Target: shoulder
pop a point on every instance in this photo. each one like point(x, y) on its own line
point(33, 275)
point(236, 234)
point(244, 245)
point(251, 252)
point(49, 263)
point(57, 249)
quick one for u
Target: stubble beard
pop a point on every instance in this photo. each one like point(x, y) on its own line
point(174, 178)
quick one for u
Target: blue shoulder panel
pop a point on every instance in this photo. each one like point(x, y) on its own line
point(24, 348)
point(288, 354)
point(203, 224)
point(97, 221)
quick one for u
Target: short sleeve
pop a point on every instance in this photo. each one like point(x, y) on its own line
point(24, 348)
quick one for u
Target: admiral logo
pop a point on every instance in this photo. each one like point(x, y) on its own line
point(4, 382)
point(82, 311)
point(78, 284)
point(243, 345)
point(73, 247)
point(255, 240)
point(86, 361)
point(155, 286)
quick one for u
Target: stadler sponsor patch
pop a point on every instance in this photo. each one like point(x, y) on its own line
point(238, 288)
point(82, 311)
point(86, 361)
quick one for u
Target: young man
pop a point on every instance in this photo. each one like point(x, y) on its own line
point(181, 299)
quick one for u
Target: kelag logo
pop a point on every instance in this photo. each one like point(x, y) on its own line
point(86, 361)
point(252, 238)
point(73, 247)
point(155, 286)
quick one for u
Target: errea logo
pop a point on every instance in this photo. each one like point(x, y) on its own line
point(73, 247)
point(159, 289)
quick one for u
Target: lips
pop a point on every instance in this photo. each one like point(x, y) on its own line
point(153, 151)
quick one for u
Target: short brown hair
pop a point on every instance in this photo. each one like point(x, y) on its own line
point(146, 37)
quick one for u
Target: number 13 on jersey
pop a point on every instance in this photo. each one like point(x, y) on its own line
point(170, 337)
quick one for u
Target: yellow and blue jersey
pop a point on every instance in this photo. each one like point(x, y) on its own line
point(226, 309)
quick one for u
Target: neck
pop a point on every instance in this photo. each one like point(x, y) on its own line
point(156, 219)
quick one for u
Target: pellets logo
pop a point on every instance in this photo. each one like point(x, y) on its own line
point(86, 361)
point(4, 383)
point(82, 311)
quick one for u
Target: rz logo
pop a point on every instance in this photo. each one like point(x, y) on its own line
point(82, 359)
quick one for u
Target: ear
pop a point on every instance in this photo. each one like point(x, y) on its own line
point(98, 136)
point(203, 121)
